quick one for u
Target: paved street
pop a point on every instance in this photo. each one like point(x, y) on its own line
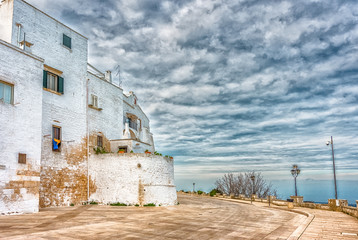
point(194, 218)
point(330, 225)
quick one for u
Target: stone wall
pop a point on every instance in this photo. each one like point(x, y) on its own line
point(20, 131)
point(132, 178)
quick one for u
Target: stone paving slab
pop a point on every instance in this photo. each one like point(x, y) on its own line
point(323, 225)
point(195, 218)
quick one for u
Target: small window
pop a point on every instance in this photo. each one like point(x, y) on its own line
point(56, 139)
point(22, 158)
point(94, 101)
point(6, 92)
point(66, 41)
point(99, 141)
point(52, 82)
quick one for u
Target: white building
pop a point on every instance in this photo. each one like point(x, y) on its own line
point(57, 111)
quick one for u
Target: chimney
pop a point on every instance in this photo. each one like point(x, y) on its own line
point(108, 76)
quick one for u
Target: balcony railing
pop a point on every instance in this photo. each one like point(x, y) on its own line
point(132, 124)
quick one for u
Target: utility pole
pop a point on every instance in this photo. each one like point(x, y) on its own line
point(334, 167)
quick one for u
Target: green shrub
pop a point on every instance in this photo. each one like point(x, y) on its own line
point(93, 203)
point(72, 204)
point(149, 205)
point(200, 192)
point(99, 150)
point(118, 204)
point(213, 192)
point(137, 205)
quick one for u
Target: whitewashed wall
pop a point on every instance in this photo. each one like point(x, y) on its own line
point(64, 172)
point(132, 179)
point(109, 120)
point(6, 9)
point(144, 134)
point(20, 131)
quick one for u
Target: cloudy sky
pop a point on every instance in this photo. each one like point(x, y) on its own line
point(232, 86)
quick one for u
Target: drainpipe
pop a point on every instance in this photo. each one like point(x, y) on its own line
point(87, 130)
point(18, 33)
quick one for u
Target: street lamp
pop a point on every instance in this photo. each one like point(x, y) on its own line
point(295, 171)
point(253, 181)
point(334, 166)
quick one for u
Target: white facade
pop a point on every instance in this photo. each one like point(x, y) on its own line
point(20, 130)
point(133, 179)
point(77, 109)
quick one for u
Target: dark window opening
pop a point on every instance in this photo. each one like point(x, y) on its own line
point(22, 158)
point(99, 141)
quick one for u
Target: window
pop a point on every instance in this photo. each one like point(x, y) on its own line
point(22, 158)
point(52, 82)
point(6, 92)
point(66, 41)
point(56, 138)
point(99, 141)
point(94, 101)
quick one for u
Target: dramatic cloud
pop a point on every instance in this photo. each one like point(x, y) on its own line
point(234, 85)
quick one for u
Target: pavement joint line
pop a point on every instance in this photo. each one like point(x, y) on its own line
point(349, 234)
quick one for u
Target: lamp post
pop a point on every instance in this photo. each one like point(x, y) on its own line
point(334, 166)
point(253, 182)
point(295, 171)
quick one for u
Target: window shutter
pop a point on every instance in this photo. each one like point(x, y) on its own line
point(60, 84)
point(44, 81)
point(66, 41)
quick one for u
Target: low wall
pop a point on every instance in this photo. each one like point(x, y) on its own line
point(132, 178)
point(340, 204)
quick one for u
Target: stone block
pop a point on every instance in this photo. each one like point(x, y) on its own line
point(253, 197)
point(343, 203)
point(290, 205)
point(336, 204)
point(297, 200)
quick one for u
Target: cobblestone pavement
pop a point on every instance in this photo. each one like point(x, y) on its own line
point(195, 218)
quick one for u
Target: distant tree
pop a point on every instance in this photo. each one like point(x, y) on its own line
point(242, 184)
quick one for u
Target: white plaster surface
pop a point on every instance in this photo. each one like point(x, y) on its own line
point(6, 8)
point(109, 120)
point(20, 129)
point(118, 178)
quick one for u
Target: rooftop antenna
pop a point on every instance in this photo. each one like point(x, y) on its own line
point(118, 73)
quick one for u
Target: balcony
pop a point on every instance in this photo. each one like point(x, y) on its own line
point(133, 124)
